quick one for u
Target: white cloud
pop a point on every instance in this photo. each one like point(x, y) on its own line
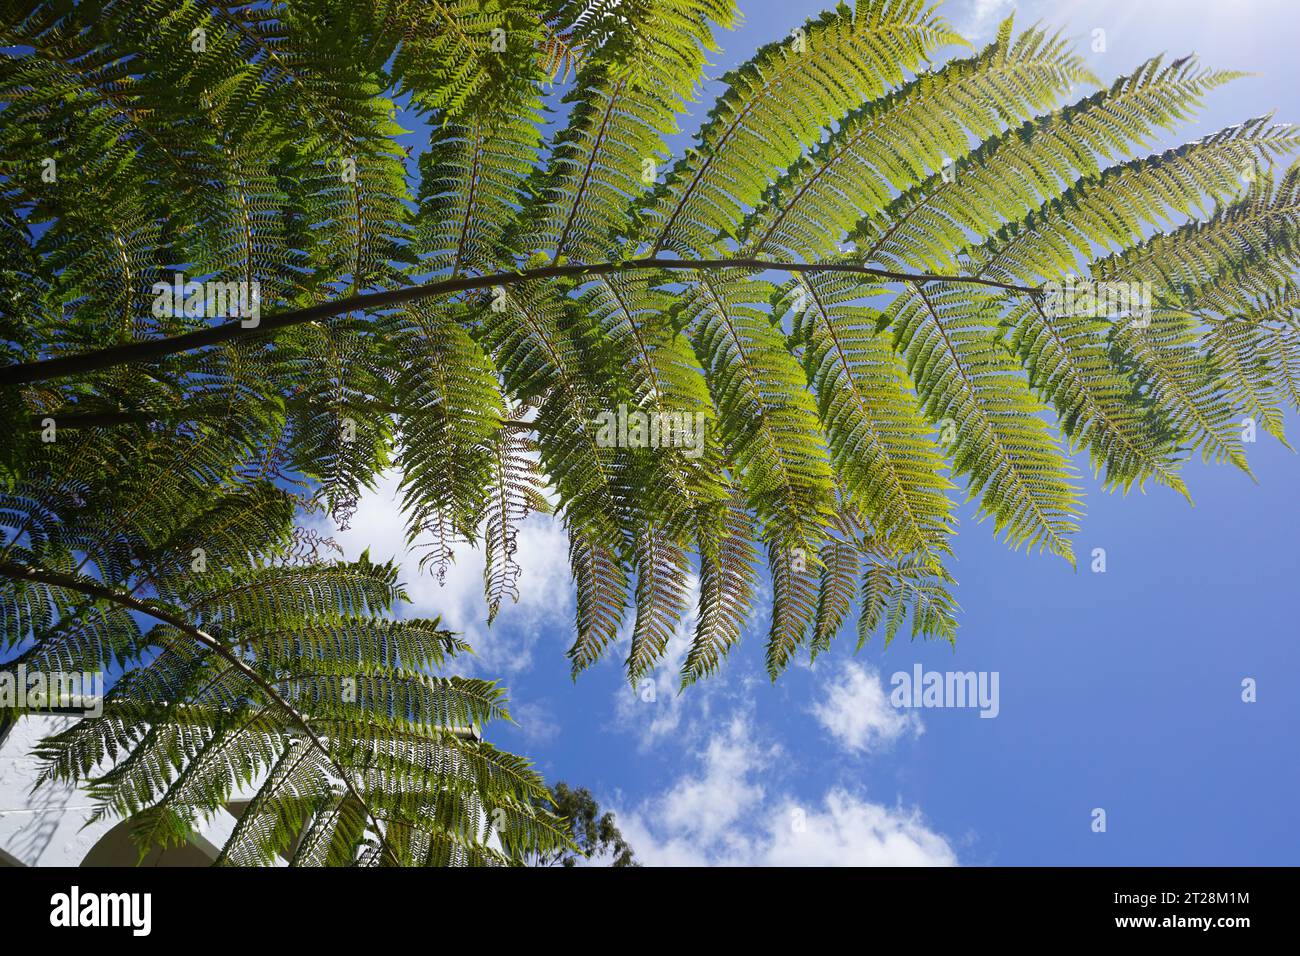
point(707, 807)
point(723, 815)
point(855, 709)
point(670, 713)
point(536, 722)
point(850, 831)
point(982, 17)
point(545, 586)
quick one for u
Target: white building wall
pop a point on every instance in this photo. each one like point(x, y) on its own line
point(48, 827)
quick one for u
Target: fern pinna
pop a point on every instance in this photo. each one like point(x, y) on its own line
point(889, 267)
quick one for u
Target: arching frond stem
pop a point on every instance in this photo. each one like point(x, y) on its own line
point(149, 350)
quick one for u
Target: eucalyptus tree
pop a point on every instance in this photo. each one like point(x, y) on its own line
point(596, 835)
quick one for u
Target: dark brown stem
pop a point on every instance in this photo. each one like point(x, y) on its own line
point(72, 417)
point(153, 349)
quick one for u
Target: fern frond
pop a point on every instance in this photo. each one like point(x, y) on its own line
point(1008, 175)
point(892, 142)
point(893, 589)
point(602, 585)
point(766, 417)
point(777, 103)
point(727, 559)
point(881, 448)
point(516, 491)
point(970, 388)
point(661, 597)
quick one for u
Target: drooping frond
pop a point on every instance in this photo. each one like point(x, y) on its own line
point(840, 563)
point(882, 449)
point(972, 390)
point(662, 568)
point(893, 590)
point(449, 424)
point(766, 416)
point(515, 492)
point(795, 574)
point(601, 584)
point(727, 558)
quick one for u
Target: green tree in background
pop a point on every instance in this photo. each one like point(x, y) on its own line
point(843, 303)
point(595, 834)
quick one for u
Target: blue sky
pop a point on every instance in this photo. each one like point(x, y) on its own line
point(1118, 690)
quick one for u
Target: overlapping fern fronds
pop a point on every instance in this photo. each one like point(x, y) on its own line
point(846, 276)
point(251, 670)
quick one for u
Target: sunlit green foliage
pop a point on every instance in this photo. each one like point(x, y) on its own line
point(842, 410)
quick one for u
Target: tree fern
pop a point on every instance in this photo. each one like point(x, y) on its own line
point(848, 276)
point(249, 661)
